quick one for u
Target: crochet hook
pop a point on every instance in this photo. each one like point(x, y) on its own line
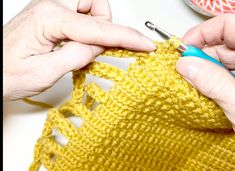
point(186, 50)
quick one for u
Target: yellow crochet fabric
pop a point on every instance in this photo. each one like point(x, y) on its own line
point(151, 119)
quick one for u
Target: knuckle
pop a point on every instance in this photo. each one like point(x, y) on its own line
point(101, 27)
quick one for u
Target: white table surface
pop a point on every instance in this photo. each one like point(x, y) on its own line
point(23, 123)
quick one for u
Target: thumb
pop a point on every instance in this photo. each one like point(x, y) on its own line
point(211, 80)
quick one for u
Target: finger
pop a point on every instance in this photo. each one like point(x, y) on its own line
point(73, 56)
point(50, 67)
point(86, 29)
point(84, 6)
point(211, 80)
point(215, 31)
point(98, 8)
point(223, 54)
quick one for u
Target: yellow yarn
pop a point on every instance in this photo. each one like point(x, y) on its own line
point(37, 103)
point(151, 119)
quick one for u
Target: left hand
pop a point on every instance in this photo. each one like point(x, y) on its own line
point(30, 65)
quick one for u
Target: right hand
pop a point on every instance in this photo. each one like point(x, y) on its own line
point(30, 65)
point(217, 38)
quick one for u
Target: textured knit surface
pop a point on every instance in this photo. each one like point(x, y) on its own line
point(151, 119)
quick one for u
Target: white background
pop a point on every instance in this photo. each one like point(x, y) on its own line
point(23, 123)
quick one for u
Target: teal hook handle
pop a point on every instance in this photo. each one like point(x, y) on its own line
point(194, 51)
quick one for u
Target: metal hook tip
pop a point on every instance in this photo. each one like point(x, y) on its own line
point(150, 25)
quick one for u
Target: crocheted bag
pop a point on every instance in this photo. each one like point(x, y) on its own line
point(151, 119)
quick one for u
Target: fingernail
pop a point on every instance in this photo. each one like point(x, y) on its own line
point(188, 69)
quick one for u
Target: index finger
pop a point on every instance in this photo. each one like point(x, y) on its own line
point(89, 30)
point(215, 31)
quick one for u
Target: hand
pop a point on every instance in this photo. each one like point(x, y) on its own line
point(217, 38)
point(30, 65)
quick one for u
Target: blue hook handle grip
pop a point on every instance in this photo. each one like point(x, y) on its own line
point(194, 51)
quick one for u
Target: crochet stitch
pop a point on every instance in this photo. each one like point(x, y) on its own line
point(151, 119)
